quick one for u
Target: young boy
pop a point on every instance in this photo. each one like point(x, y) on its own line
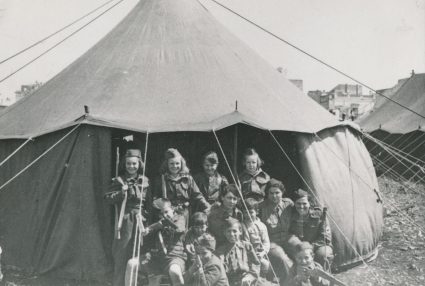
point(208, 270)
point(168, 251)
point(198, 228)
point(256, 233)
point(305, 269)
point(239, 257)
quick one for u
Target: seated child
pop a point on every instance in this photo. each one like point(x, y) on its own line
point(238, 256)
point(167, 252)
point(256, 233)
point(208, 268)
point(304, 270)
point(253, 179)
point(210, 182)
point(198, 228)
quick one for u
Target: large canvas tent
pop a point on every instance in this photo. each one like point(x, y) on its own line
point(171, 74)
point(400, 129)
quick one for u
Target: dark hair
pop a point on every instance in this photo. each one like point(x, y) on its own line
point(169, 154)
point(250, 152)
point(231, 188)
point(251, 204)
point(211, 157)
point(122, 169)
point(273, 183)
point(199, 218)
point(206, 240)
point(305, 245)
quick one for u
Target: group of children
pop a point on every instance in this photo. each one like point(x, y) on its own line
point(194, 231)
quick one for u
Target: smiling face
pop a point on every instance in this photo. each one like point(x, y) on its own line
point(174, 165)
point(229, 201)
point(209, 168)
point(233, 233)
point(167, 212)
point(304, 258)
point(251, 163)
point(275, 195)
point(302, 205)
point(132, 165)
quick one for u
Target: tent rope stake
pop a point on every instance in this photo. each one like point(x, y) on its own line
point(39, 157)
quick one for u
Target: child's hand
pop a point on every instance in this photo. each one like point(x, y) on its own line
point(190, 248)
point(247, 279)
point(124, 188)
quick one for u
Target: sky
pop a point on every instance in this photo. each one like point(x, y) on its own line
point(376, 42)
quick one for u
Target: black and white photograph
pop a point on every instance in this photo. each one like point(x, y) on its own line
point(212, 142)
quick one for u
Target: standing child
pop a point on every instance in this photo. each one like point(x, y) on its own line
point(168, 251)
point(253, 178)
point(256, 233)
point(199, 227)
point(208, 269)
point(127, 192)
point(304, 271)
point(238, 256)
point(210, 181)
point(177, 185)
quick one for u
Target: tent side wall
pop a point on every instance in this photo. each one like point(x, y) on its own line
point(409, 145)
point(52, 217)
point(338, 169)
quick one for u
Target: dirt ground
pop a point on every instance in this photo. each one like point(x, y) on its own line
point(401, 259)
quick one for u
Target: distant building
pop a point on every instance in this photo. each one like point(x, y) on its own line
point(320, 96)
point(347, 100)
point(27, 89)
point(350, 101)
point(5, 102)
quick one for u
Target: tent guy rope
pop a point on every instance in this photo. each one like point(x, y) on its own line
point(54, 33)
point(60, 42)
point(314, 57)
point(329, 215)
point(39, 157)
point(16, 151)
point(238, 187)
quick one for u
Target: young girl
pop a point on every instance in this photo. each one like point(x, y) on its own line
point(199, 227)
point(308, 223)
point(209, 269)
point(127, 192)
point(229, 198)
point(177, 185)
point(168, 254)
point(253, 179)
point(238, 256)
point(303, 272)
point(255, 232)
point(210, 182)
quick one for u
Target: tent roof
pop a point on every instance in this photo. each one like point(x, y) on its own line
point(169, 65)
point(393, 118)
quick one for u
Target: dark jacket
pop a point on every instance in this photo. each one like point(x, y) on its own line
point(277, 222)
point(216, 219)
point(210, 187)
point(239, 259)
point(182, 191)
point(253, 186)
point(314, 228)
point(214, 274)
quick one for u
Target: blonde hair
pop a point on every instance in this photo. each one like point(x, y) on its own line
point(170, 154)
